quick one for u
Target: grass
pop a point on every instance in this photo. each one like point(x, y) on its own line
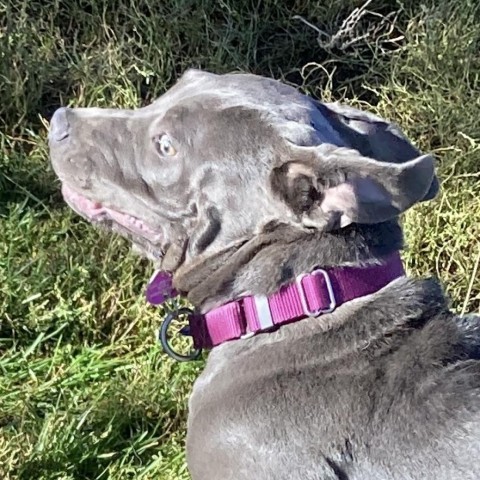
point(85, 392)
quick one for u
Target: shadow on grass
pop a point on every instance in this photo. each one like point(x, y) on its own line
point(39, 192)
point(83, 52)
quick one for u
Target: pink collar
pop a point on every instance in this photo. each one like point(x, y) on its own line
point(311, 295)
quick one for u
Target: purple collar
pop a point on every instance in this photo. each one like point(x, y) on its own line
point(311, 295)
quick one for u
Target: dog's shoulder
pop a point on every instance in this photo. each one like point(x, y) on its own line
point(435, 353)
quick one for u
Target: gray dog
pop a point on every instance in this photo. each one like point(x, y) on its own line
point(249, 192)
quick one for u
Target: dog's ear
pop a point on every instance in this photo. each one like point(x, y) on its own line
point(372, 136)
point(330, 187)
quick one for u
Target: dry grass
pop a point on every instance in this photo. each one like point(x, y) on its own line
point(84, 391)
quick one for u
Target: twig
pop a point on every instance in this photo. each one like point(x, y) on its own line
point(344, 37)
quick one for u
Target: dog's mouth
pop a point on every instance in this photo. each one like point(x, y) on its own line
point(97, 213)
point(160, 284)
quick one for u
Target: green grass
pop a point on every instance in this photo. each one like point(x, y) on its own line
point(85, 392)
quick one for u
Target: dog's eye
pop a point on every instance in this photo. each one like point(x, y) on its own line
point(164, 146)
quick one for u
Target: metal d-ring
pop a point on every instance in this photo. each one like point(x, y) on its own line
point(162, 337)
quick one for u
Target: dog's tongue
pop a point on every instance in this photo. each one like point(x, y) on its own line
point(160, 288)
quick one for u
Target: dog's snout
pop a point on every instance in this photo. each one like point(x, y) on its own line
point(59, 125)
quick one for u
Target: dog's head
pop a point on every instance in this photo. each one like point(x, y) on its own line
point(220, 159)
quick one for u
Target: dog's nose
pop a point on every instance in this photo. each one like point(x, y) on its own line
point(59, 126)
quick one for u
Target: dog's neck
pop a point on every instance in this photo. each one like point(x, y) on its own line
point(276, 256)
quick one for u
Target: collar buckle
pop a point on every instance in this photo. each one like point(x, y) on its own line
point(303, 297)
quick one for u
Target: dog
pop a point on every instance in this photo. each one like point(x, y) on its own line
point(277, 217)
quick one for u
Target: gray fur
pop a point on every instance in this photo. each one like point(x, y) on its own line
point(264, 184)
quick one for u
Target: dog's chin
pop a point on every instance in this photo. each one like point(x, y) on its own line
point(143, 249)
point(140, 245)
